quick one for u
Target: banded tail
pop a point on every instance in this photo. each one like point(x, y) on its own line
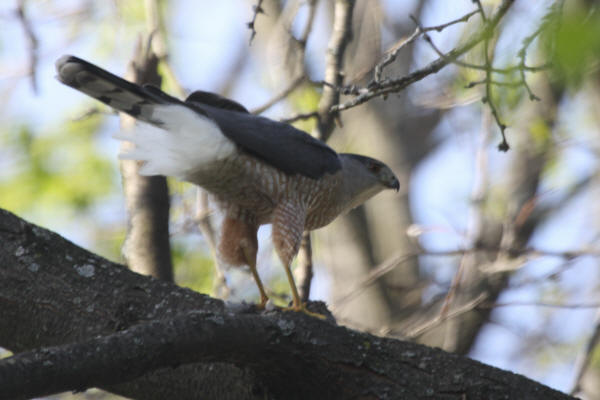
point(181, 141)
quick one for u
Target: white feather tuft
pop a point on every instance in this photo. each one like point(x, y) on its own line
point(184, 143)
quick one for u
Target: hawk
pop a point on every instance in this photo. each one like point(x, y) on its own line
point(258, 170)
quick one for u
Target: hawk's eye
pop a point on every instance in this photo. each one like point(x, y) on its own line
point(374, 167)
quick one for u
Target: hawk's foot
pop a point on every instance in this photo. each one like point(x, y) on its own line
point(301, 307)
point(263, 302)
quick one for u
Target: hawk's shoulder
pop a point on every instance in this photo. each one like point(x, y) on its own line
point(215, 100)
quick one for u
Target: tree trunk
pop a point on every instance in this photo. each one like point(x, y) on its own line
point(147, 247)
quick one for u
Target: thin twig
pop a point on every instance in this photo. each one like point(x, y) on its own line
point(480, 10)
point(90, 112)
point(397, 260)
point(33, 43)
point(585, 357)
point(277, 98)
point(440, 318)
point(309, 23)
point(503, 146)
point(256, 9)
point(494, 82)
point(295, 83)
point(387, 86)
point(479, 193)
point(392, 54)
point(522, 54)
point(305, 273)
point(300, 116)
point(441, 27)
point(479, 303)
point(571, 306)
point(203, 213)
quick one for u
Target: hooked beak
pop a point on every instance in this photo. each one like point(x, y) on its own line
point(393, 184)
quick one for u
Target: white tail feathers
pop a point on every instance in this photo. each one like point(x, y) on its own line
point(184, 143)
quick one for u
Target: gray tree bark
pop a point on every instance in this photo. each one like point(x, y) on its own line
point(77, 320)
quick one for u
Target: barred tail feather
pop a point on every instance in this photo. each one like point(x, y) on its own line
point(110, 89)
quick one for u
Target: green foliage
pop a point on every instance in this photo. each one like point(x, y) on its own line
point(305, 99)
point(132, 12)
point(192, 268)
point(541, 133)
point(60, 167)
point(573, 44)
point(595, 359)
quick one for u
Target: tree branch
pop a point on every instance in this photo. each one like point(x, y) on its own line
point(340, 37)
point(33, 43)
point(106, 326)
point(256, 9)
point(392, 85)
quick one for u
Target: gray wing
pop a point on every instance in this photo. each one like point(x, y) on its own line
point(281, 145)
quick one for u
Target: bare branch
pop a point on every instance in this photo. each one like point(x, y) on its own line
point(480, 9)
point(503, 146)
point(277, 98)
point(220, 288)
point(392, 54)
point(522, 54)
point(397, 260)
point(257, 9)
point(585, 357)
point(493, 82)
point(304, 272)
point(572, 306)
point(442, 317)
point(295, 83)
point(386, 86)
point(340, 37)
point(479, 302)
point(33, 43)
point(300, 116)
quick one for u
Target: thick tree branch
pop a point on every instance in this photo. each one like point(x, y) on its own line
point(104, 324)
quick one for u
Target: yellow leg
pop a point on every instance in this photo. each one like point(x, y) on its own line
point(297, 305)
point(251, 261)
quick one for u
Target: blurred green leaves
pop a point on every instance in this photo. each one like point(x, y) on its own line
point(303, 100)
point(58, 167)
point(573, 44)
point(193, 269)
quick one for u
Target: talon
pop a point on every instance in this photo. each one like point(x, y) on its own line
point(301, 307)
point(263, 302)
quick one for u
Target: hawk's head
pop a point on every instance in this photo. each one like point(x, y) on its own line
point(364, 177)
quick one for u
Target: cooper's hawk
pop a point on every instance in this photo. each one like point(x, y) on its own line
point(259, 171)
